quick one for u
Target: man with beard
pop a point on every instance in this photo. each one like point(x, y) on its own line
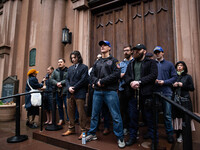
point(140, 76)
point(58, 81)
point(123, 95)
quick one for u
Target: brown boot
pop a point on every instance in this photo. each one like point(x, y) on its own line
point(80, 137)
point(68, 132)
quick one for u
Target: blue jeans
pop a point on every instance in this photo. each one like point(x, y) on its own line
point(112, 101)
point(59, 101)
point(167, 110)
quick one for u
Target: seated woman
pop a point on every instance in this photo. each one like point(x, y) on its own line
point(182, 86)
point(32, 82)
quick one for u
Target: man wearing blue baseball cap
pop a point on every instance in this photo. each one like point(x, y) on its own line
point(104, 78)
point(104, 43)
point(166, 77)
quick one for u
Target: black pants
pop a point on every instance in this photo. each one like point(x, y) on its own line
point(124, 99)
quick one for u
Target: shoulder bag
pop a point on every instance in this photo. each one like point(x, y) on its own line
point(36, 98)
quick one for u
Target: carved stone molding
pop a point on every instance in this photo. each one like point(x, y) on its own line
point(80, 4)
point(4, 49)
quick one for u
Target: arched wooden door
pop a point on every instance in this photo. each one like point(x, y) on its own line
point(142, 21)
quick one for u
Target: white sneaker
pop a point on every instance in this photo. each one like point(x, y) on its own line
point(121, 143)
point(180, 139)
point(91, 138)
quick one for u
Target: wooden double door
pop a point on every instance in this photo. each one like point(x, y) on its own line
point(141, 21)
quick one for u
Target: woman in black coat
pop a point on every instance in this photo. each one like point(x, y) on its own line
point(182, 86)
point(31, 110)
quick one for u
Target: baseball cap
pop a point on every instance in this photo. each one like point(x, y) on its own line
point(104, 42)
point(158, 48)
point(139, 47)
point(149, 55)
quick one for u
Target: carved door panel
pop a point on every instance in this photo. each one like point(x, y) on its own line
point(109, 25)
point(151, 23)
point(143, 21)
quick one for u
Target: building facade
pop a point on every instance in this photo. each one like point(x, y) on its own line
point(31, 33)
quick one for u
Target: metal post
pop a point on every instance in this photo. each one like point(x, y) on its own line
point(17, 138)
point(42, 108)
point(155, 120)
point(187, 134)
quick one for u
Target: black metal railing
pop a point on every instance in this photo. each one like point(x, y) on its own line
point(186, 125)
point(18, 137)
point(52, 127)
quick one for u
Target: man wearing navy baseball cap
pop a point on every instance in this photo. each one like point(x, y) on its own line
point(166, 77)
point(139, 47)
point(140, 76)
point(104, 78)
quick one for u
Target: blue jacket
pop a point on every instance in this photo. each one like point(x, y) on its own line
point(78, 78)
point(166, 72)
point(33, 81)
point(123, 66)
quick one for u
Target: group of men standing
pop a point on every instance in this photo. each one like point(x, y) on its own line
point(139, 77)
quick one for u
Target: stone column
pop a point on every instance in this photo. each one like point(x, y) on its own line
point(58, 24)
point(43, 52)
point(22, 45)
point(81, 38)
point(187, 41)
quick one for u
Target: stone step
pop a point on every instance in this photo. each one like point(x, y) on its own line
point(103, 142)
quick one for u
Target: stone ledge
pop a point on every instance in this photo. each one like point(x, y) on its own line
point(80, 4)
point(4, 49)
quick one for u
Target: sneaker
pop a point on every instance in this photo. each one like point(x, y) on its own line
point(131, 141)
point(33, 125)
point(125, 131)
point(121, 143)
point(91, 138)
point(180, 139)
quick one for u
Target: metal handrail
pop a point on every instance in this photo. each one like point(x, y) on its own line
point(21, 94)
point(52, 127)
point(19, 138)
point(188, 112)
point(186, 125)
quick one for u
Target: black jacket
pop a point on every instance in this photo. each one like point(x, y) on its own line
point(188, 85)
point(149, 72)
point(107, 71)
point(78, 78)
